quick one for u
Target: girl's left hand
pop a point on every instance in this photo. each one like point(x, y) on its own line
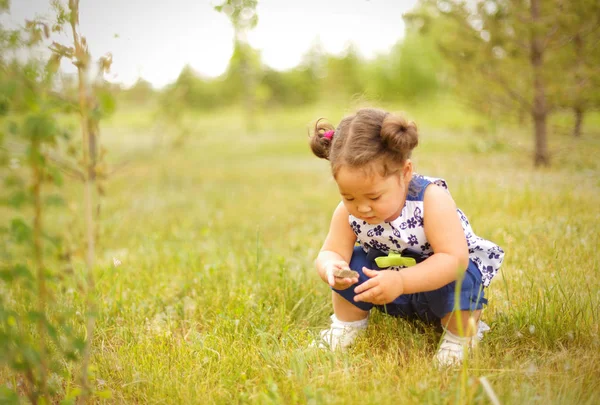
point(383, 287)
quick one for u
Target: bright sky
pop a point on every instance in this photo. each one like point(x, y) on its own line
point(155, 39)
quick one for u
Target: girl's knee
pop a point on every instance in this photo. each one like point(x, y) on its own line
point(345, 298)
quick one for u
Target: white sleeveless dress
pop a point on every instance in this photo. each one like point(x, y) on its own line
point(407, 232)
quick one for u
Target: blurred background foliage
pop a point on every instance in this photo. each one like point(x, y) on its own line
point(533, 65)
point(412, 70)
point(530, 65)
point(479, 77)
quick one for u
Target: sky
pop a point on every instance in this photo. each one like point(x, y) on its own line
point(155, 39)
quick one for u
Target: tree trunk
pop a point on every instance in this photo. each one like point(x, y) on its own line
point(249, 88)
point(41, 272)
point(580, 83)
point(539, 110)
point(578, 121)
point(92, 139)
point(83, 59)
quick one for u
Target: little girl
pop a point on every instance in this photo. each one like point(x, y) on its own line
point(415, 250)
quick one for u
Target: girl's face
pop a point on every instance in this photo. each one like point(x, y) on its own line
point(373, 198)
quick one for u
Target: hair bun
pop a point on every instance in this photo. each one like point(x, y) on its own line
point(399, 135)
point(320, 144)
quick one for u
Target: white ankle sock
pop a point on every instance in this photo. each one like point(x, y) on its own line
point(457, 339)
point(360, 324)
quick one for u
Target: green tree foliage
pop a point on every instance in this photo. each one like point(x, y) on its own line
point(419, 65)
point(578, 55)
point(344, 75)
point(243, 72)
point(242, 14)
point(412, 70)
point(509, 57)
point(36, 342)
point(195, 92)
point(40, 339)
point(483, 68)
point(140, 93)
point(243, 17)
point(292, 87)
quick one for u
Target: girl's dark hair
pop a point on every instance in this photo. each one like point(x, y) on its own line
point(367, 137)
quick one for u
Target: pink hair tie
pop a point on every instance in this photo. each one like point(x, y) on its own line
point(328, 134)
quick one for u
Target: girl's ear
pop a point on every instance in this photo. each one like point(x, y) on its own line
point(407, 171)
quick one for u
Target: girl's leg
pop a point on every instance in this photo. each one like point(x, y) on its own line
point(467, 326)
point(459, 314)
point(349, 318)
point(461, 328)
point(345, 311)
point(461, 317)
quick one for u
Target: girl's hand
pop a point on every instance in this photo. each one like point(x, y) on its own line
point(383, 287)
point(338, 283)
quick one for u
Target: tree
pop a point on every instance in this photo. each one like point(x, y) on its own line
point(579, 58)
point(299, 85)
point(141, 92)
point(413, 69)
point(243, 17)
point(344, 74)
point(38, 336)
point(93, 103)
point(509, 49)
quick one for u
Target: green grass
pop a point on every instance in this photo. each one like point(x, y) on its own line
point(217, 299)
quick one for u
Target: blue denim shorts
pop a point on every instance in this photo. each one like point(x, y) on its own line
point(429, 306)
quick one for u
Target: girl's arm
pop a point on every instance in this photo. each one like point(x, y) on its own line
point(339, 243)
point(445, 234)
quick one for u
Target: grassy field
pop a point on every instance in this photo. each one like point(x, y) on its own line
point(216, 299)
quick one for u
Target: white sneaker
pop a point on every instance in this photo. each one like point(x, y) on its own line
point(340, 334)
point(452, 348)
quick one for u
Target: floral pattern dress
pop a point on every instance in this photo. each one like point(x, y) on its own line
point(407, 232)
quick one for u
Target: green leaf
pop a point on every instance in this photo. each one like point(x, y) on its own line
point(41, 127)
point(18, 199)
point(13, 181)
point(20, 230)
point(21, 270)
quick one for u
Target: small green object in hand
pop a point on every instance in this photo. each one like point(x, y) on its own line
point(394, 259)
